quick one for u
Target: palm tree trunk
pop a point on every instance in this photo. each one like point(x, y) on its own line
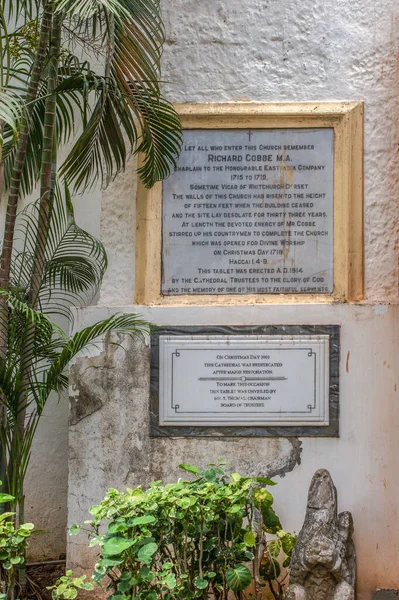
point(46, 198)
point(16, 177)
point(12, 205)
point(48, 168)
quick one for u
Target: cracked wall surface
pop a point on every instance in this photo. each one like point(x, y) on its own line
point(109, 436)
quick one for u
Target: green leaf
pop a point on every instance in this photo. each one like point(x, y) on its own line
point(144, 520)
point(201, 584)
point(265, 481)
point(189, 468)
point(169, 581)
point(116, 545)
point(4, 498)
point(95, 541)
point(288, 542)
point(235, 477)
point(263, 497)
point(274, 548)
point(234, 509)
point(124, 586)
point(87, 586)
point(270, 519)
point(145, 553)
point(110, 562)
point(287, 562)
point(27, 526)
point(270, 568)
point(238, 578)
point(6, 515)
point(249, 538)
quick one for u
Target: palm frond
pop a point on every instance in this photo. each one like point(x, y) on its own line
point(100, 152)
point(86, 9)
point(67, 110)
point(161, 138)
point(11, 109)
point(111, 135)
point(20, 9)
point(128, 324)
point(75, 261)
point(129, 109)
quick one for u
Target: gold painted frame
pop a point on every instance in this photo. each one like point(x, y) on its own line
point(346, 118)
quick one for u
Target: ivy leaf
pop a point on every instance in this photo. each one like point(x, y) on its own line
point(86, 586)
point(249, 538)
point(184, 502)
point(116, 545)
point(74, 529)
point(238, 578)
point(145, 553)
point(170, 581)
point(200, 584)
point(189, 468)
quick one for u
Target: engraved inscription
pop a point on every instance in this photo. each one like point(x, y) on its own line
point(250, 211)
point(258, 380)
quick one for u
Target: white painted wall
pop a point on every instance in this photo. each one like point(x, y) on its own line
point(286, 50)
point(110, 445)
point(272, 50)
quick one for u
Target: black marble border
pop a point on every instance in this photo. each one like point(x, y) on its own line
point(331, 430)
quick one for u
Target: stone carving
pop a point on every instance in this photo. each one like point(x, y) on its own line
point(323, 560)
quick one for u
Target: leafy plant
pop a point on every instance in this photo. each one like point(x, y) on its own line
point(67, 586)
point(49, 95)
point(13, 543)
point(189, 539)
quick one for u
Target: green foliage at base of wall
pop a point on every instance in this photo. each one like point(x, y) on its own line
point(213, 534)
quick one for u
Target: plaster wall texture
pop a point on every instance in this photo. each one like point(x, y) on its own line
point(289, 50)
point(265, 50)
point(260, 50)
point(110, 445)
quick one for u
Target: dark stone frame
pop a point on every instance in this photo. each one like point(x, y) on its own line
point(331, 430)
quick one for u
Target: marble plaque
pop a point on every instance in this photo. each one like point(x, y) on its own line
point(250, 212)
point(244, 380)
